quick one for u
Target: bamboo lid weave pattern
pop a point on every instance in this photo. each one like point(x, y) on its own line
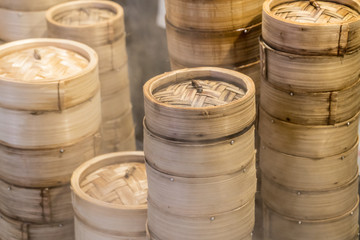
point(123, 184)
point(84, 16)
point(199, 93)
point(315, 12)
point(42, 64)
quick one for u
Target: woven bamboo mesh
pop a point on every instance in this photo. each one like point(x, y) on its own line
point(315, 12)
point(84, 16)
point(120, 184)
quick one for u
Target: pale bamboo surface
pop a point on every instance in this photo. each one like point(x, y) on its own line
point(200, 196)
point(309, 174)
point(95, 23)
point(58, 94)
point(117, 218)
point(233, 225)
point(278, 227)
point(46, 167)
point(312, 141)
point(303, 27)
point(50, 129)
point(214, 15)
point(311, 205)
point(27, 6)
point(199, 123)
point(15, 230)
point(201, 159)
point(126, 144)
point(301, 73)
point(36, 205)
point(115, 105)
point(192, 47)
point(114, 81)
point(320, 108)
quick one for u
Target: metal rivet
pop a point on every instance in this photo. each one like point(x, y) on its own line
point(251, 234)
point(232, 142)
point(245, 31)
point(342, 157)
point(60, 225)
point(19, 14)
point(291, 94)
point(348, 124)
point(352, 213)
point(212, 218)
point(300, 222)
point(46, 189)
point(62, 150)
point(298, 193)
point(272, 121)
point(244, 170)
point(172, 179)
point(9, 188)
point(263, 147)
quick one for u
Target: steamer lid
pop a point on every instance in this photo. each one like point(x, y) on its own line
point(319, 12)
point(41, 64)
point(83, 16)
point(199, 93)
point(122, 184)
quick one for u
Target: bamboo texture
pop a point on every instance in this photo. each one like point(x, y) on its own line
point(200, 196)
point(309, 174)
point(115, 105)
point(278, 227)
point(233, 225)
point(36, 205)
point(46, 167)
point(312, 141)
point(303, 27)
point(309, 74)
point(221, 15)
point(14, 230)
point(125, 144)
point(310, 205)
point(122, 210)
point(199, 123)
point(235, 47)
point(26, 5)
point(202, 159)
point(114, 81)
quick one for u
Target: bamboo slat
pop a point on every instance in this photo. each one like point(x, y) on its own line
point(115, 105)
point(199, 123)
point(312, 141)
point(233, 225)
point(46, 167)
point(114, 81)
point(202, 159)
point(113, 188)
point(312, 27)
point(278, 227)
point(301, 73)
point(200, 196)
point(309, 174)
point(310, 205)
point(235, 47)
point(319, 108)
point(15, 230)
point(26, 5)
point(126, 144)
point(36, 205)
point(214, 15)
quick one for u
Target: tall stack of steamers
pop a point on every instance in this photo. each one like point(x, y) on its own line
point(200, 155)
point(310, 99)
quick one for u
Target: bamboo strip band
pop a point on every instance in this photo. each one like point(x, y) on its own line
point(26, 5)
point(128, 143)
point(235, 47)
point(232, 225)
point(312, 141)
point(120, 100)
point(46, 167)
point(115, 80)
point(36, 205)
point(14, 229)
point(310, 205)
point(214, 16)
point(332, 29)
point(115, 218)
point(199, 123)
point(278, 227)
point(309, 174)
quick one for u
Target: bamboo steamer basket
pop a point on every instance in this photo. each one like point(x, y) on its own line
point(199, 123)
point(233, 225)
point(113, 188)
point(128, 143)
point(115, 105)
point(311, 205)
point(309, 174)
point(309, 74)
point(278, 227)
point(13, 230)
point(312, 27)
point(201, 159)
point(46, 167)
point(26, 5)
point(311, 141)
point(199, 196)
point(36, 205)
point(52, 104)
point(114, 81)
point(192, 47)
point(213, 16)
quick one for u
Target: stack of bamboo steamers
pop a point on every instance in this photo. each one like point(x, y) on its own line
point(50, 118)
point(100, 24)
point(310, 93)
point(200, 154)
